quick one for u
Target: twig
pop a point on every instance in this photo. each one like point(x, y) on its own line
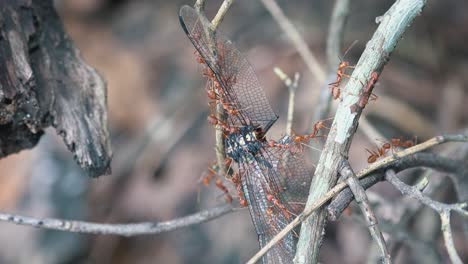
point(418, 148)
point(400, 233)
point(334, 41)
point(199, 5)
point(340, 186)
point(296, 39)
point(443, 209)
point(448, 239)
point(335, 34)
point(375, 56)
point(292, 87)
point(132, 229)
point(361, 198)
point(434, 161)
point(220, 112)
point(221, 13)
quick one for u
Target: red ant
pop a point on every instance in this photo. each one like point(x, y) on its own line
point(237, 182)
point(270, 214)
point(299, 140)
point(316, 128)
point(386, 146)
point(271, 198)
point(398, 142)
point(367, 92)
point(206, 180)
point(216, 122)
point(374, 155)
point(340, 74)
point(221, 186)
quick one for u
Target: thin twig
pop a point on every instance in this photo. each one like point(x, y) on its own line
point(401, 233)
point(340, 186)
point(296, 39)
point(334, 41)
point(220, 112)
point(448, 239)
point(132, 229)
point(335, 36)
point(444, 210)
point(429, 160)
point(361, 198)
point(221, 13)
point(292, 87)
point(199, 5)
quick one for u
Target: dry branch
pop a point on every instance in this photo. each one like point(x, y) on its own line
point(444, 210)
point(334, 42)
point(429, 160)
point(132, 229)
point(384, 163)
point(296, 39)
point(361, 198)
point(220, 112)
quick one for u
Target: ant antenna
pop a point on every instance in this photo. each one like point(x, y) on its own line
point(347, 50)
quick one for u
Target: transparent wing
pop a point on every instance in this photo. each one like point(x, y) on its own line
point(240, 85)
point(267, 225)
point(285, 177)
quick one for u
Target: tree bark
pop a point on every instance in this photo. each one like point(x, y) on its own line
point(45, 82)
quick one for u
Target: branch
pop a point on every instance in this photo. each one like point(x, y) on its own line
point(361, 198)
point(221, 13)
point(434, 161)
point(220, 112)
point(296, 39)
point(292, 87)
point(373, 59)
point(134, 229)
point(400, 233)
point(442, 209)
point(448, 239)
point(340, 186)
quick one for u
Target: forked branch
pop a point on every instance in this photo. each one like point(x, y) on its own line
point(444, 210)
point(379, 165)
point(220, 112)
point(361, 198)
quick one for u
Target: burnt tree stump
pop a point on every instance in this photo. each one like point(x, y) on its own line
point(45, 82)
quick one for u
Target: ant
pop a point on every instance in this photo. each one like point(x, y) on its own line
point(398, 142)
point(316, 128)
point(367, 92)
point(216, 122)
point(298, 141)
point(376, 154)
point(386, 146)
point(271, 198)
point(237, 182)
point(207, 179)
point(340, 74)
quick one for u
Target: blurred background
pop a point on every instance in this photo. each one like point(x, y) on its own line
point(163, 144)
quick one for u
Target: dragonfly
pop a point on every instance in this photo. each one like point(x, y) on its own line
point(274, 179)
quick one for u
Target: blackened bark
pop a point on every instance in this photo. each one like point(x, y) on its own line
point(45, 82)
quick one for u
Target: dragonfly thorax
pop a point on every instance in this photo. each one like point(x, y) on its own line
point(243, 145)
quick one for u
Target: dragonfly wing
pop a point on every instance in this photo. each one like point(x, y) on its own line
point(268, 219)
point(241, 88)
